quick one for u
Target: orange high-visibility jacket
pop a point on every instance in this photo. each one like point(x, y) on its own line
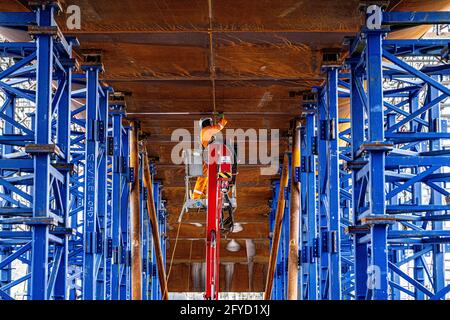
point(205, 135)
point(208, 132)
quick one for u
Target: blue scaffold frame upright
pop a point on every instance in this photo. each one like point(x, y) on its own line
point(36, 157)
point(309, 227)
point(397, 156)
point(64, 171)
point(365, 216)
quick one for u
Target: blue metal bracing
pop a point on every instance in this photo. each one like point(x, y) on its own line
point(373, 193)
point(397, 138)
point(64, 173)
point(345, 183)
point(34, 165)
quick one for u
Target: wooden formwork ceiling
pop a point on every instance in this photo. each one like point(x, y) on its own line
point(184, 59)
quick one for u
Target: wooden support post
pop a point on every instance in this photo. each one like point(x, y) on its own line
point(148, 183)
point(277, 228)
point(135, 221)
point(292, 293)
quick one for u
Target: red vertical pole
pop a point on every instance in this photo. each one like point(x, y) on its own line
point(212, 230)
point(219, 161)
point(218, 215)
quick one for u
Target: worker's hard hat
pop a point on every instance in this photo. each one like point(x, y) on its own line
point(206, 122)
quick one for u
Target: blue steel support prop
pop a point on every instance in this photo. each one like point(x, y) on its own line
point(146, 248)
point(102, 202)
point(435, 124)
point(63, 141)
point(42, 170)
point(303, 240)
point(376, 148)
point(357, 117)
point(309, 233)
point(92, 235)
point(41, 205)
point(397, 139)
point(329, 187)
point(143, 224)
point(334, 238)
point(381, 164)
point(117, 112)
point(156, 289)
point(59, 187)
point(162, 215)
point(323, 173)
point(125, 282)
point(77, 148)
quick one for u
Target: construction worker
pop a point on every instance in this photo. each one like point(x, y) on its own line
point(209, 129)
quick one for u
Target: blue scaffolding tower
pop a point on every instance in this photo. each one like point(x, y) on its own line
point(64, 172)
point(397, 157)
point(373, 183)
